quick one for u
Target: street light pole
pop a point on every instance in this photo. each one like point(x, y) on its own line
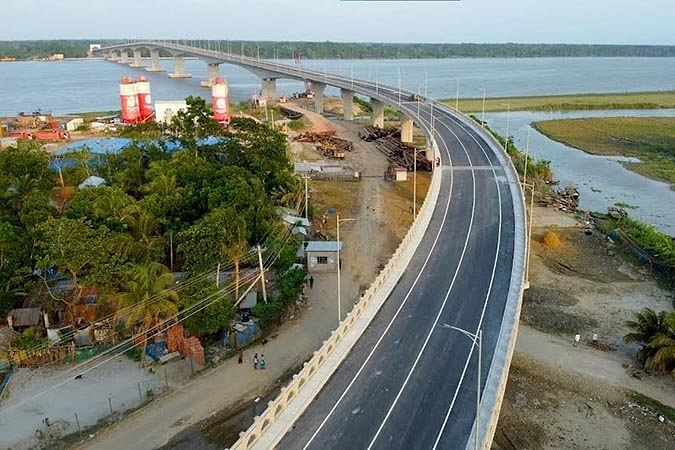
point(477, 340)
point(339, 293)
point(482, 115)
point(527, 155)
point(457, 97)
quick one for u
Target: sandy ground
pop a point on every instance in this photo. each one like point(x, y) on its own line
point(86, 397)
point(561, 396)
point(217, 391)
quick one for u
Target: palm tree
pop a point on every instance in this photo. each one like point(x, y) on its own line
point(148, 296)
point(664, 345)
point(17, 192)
point(646, 326)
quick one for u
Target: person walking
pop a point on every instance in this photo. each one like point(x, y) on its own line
point(311, 281)
point(255, 361)
point(262, 362)
point(577, 338)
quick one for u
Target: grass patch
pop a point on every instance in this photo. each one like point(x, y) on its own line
point(634, 100)
point(91, 115)
point(665, 410)
point(650, 139)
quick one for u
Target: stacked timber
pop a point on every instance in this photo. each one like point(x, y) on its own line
point(327, 143)
point(371, 133)
point(401, 154)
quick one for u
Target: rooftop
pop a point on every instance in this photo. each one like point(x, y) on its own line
point(323, 246)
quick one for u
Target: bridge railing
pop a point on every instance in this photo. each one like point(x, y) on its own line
point(269, 427)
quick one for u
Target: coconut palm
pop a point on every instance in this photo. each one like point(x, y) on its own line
point(646, 326)
point(148, 297)
point(663, 345)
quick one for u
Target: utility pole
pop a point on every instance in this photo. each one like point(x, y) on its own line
point(218, 275)
point(306, 198)
point(457, 97)
point(482, 115)
point(262, 274)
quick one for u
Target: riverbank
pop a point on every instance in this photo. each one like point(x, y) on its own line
point(650, 139)
point(570, 102)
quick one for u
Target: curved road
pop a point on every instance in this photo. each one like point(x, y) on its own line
point(410, 380)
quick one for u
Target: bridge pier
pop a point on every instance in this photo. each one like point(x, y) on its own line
point(348, 104)
point(406, 129)
point(269, 89)
point(154, 62)
point(124, 57)
point(378, 113)
point(212, 72)
point(318, 89)
point(112, 57)
point(137, 62)
point(179, 68)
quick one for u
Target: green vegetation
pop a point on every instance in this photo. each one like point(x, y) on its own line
point(30, 338)
point(659, 245)
point(656, 333)
point(358, 50)
point(158, 212)
point(651, 139)
point(539, 170)
point(572, 102)
point(665, 410)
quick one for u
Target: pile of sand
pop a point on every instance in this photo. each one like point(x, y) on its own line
point(551, 241)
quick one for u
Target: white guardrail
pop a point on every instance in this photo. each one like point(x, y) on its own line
point(270, 427)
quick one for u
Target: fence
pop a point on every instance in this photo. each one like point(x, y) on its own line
point(269, 427)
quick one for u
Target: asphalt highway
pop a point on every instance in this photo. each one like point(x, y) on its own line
point(410, 381)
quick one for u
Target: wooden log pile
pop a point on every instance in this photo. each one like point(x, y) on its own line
point(402, 154)
point(371, 133)
point(327, 143)
point(566, 199)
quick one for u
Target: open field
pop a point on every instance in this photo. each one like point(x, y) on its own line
point(634, 100)
point(650, 139)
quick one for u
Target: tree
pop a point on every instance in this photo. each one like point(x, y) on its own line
point(77, 251)
point(663, 344)
point(193, 123)
point(656, 333)
point(214, 317)
point(148, 295)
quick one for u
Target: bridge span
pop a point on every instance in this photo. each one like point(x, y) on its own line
point(412, 375)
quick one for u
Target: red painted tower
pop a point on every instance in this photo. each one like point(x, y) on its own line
point(144, 99)
point(220, 101)
point(129, 101)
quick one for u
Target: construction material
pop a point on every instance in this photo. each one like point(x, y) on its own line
point(566, 199)
point(388, 141)
point(371, 133)
point(327, 143)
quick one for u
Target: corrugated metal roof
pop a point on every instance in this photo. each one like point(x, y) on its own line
point(26, 317)
point(323, 246)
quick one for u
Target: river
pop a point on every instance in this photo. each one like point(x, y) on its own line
point(91, 85)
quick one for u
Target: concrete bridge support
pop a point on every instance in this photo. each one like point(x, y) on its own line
point(406, 129)
point(179, 69)
point(124, 57)
point(154, 62)
point(137, 62)
point(378, 113)
point(212, 72)
point(348, 104)
point(112, 57)
point(269, 89)
point(318, 89)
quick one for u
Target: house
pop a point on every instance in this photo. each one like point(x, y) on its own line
point(22, 318)
point(322, 256)
point(396, 173)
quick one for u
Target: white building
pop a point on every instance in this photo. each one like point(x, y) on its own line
point(166, 109)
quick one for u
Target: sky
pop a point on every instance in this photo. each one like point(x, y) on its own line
point(523, 21)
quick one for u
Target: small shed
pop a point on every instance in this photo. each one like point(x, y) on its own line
point(74, 124)
point(322, 256)
point(396, 173)
point(21, 318)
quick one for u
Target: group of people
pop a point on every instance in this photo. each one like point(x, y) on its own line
point(259, 362)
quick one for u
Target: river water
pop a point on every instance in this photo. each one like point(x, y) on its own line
point(602, 181)
point(91, 85)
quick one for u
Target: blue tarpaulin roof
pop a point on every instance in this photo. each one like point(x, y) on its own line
point(105, 146)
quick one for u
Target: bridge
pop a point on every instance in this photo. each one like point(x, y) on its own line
point(422, 359)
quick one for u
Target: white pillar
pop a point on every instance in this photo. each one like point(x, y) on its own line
point(137, 62)
point(113, 57)
point(406, 129)
point(378, 113)
point(212, 72)
point(269, 89)
point(317, 89)
point(154, 62)
point(179, 69)
point(124, 57)
point(348, 104)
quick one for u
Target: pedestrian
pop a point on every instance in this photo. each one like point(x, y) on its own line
point(577, 338)
point(595, 338)
point(311, 281)
point(255, 361)
point(240, 359)
point(438, 161)
point(262, 362)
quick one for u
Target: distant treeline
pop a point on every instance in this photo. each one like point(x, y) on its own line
point(356, 50)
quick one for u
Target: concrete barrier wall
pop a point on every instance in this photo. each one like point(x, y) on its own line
point(269, 427)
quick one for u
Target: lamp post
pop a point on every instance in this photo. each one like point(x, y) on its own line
point(477, 340)
point(482, 115)
point(508, 115)
point(339, 299)
point(457, 96)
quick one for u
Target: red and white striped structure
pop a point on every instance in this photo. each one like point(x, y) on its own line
point(144, 99)
point(129, 101)
point(220, 101)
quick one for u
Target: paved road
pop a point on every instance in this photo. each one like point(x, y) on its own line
point(410, 380)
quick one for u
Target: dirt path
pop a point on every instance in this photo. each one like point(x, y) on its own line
point(585, 360)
